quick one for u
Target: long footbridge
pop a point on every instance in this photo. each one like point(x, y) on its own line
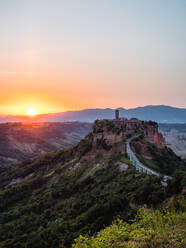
point(138, 165)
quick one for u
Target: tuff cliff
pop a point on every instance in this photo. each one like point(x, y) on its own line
point(109, 135)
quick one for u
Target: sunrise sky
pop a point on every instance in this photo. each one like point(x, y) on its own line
point(58, 55)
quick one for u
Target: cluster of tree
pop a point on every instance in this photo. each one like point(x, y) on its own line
point(150, 229)
point(36, 214)
point(164, 160)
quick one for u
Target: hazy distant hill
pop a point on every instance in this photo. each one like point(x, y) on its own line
point(159, 113)
point(19, 141)
point(175, 135)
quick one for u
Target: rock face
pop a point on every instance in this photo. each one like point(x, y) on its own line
point(159, 140)
point(111, 134)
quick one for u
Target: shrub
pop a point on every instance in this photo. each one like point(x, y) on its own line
point(150, 229)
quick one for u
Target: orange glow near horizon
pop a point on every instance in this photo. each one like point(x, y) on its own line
point(31, 112)
point(50, 92)
point(82, 60)
point(29, 108)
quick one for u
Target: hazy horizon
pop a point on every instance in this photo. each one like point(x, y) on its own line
point(72, 55)
point(120, 107)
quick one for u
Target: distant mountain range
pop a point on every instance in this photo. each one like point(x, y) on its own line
point(158, 113)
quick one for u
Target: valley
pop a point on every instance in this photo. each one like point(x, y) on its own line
point(21, 141)
point(175, 136)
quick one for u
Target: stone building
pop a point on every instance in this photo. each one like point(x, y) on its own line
point(124, 127)
point(117, 114)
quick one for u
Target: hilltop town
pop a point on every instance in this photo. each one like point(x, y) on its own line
point(113, 133)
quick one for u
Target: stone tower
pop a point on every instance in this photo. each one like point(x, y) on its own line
point(117, 114)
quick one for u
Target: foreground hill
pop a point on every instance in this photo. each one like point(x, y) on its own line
point(165, 228)
point(20, 141)
point(50, 200)
point(159, 113)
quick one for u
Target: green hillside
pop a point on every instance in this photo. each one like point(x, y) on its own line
point(49, 201)
point(152, 229)
point(163, 160)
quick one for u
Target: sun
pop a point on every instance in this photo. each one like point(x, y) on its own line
point(31, 112)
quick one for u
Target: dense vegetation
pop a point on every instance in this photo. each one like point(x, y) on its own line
point(163, 160)
point(151, 229)
point(166, 160)
point(48, 201)
point(39, 212)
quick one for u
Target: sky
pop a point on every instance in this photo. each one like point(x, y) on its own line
point(58, 55)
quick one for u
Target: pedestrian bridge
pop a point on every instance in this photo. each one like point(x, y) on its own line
point(138, 165)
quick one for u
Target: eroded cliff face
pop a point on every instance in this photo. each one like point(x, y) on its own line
point(159, 140)
point(153, 136)
point(110, 135)
point(21, 141)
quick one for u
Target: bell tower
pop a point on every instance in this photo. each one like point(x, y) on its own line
point(117, 114)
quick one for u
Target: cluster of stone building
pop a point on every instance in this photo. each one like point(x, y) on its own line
point(148, 128)
point(131, 126)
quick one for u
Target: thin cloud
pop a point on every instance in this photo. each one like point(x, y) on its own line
point(15, 72)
